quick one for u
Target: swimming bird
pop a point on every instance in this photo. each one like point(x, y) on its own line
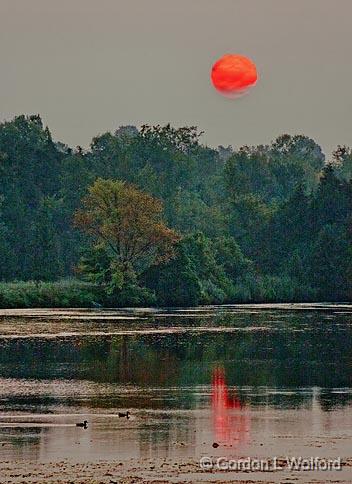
point(96, 305)
point(83, 424)
point(123, 414)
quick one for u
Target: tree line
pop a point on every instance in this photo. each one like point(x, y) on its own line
point(153, 216)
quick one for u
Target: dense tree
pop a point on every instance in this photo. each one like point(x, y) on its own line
point(342, 162)
point(229, 255)
point(176, 283)
point(283, 241)
point(198, 274)
point(256, 223)
point(333, 201)
point(7, 255)
point(272, 172)
point(127, 224)
point(30, 165)
point(331, 263)
point(46, 239)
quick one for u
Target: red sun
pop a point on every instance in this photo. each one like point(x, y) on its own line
point(233, 75)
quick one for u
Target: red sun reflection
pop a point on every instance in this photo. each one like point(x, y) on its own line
point(233, 75)
point(230, 427)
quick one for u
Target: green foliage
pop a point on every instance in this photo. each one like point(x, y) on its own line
point(128, 292)
point(63, 293)
point(342, 162)
point(331, 263)
point(283, 241)
point(194, 276)
point(264, 223)
point(333, 201)
point(177, 282)
point(229, 255)
point(46, 241)
point(272, 172)
point(248, 218)
point(117, 287)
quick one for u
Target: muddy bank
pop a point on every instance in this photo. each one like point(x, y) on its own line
point(154, 471)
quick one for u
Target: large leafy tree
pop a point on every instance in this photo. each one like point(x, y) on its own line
point(127, 223)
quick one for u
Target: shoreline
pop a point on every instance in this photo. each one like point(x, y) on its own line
point(159, 471)
point(140, 311)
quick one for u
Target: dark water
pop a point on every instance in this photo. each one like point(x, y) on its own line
point(250, 378)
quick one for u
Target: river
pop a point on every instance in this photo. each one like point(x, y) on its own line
point(233, 381)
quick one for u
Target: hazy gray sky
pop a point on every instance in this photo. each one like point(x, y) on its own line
point(88, 66)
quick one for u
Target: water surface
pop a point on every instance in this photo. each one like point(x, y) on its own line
point(260, 380)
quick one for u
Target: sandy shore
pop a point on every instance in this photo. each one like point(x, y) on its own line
point(154, 471)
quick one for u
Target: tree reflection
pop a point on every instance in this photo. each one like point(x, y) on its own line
point(291, 350)
point(231, 421)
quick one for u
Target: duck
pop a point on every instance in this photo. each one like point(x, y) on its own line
point(96, 305)
point(124, 414)
point(83, 424)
